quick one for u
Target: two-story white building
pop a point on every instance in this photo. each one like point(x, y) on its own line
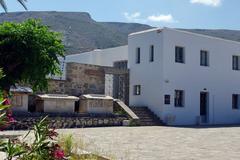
point(185, 78)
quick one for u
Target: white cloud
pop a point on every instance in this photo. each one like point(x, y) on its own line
point(134, 17)
point(213, 3)
point(168, 18)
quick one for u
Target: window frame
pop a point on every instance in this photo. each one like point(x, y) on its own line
point(204, 55)
point(138, 55)
point(167, 99)
point(177, 59)
point(235, 102)
point(151, 53)
point(181, 102)
point(235, 66)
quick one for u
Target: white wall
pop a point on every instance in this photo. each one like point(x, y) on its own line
point(147, 74)
point(104, 57)
point(219, 79)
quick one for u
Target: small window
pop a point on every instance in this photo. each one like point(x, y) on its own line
point(204, 58)
point(151, 56)
point(235, 63)
point(235, 101)
point(167, 99)
point(179, 55)
point(138, 55)
point(137, 90)
point(179, 98)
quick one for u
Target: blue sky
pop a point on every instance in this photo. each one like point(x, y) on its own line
point(213, 14)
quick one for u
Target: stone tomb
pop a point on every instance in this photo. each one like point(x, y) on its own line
point(19, 99)
point(96, 104)
point(54, 103)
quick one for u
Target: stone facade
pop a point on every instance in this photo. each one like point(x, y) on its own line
point(80, 79)
point(96, 104)
point(68, 122)
point(56, 103)
point(19, 102)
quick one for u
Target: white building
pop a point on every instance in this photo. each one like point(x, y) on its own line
point(185, 78)
point(102, 57)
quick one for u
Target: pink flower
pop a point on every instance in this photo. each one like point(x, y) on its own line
point(11, 120)
point(58, 154)
point(7, 102)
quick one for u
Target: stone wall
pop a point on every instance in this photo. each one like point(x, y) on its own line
point(68, 122)
point(56, 86)
point(80, 79)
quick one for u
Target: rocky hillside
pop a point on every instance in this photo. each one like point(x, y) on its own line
point(81, 32)
point(220, 33)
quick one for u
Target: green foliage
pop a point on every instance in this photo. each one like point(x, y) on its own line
point(12, 149)
point(29, 52)
point(5, 117)
point(42, 147)
point(66, 143)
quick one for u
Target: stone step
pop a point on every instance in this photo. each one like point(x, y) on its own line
point(146, 116)
point(140, 109)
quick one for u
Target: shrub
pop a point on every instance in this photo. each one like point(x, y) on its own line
point(44, 145)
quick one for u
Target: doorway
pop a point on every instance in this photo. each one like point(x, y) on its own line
point(204, 99)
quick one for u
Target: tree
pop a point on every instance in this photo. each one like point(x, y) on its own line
point(29, 52)
point(4, 6)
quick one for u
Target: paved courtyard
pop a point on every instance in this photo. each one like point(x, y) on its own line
point(160, 143)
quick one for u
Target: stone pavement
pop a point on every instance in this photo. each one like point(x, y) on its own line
point(160, 143)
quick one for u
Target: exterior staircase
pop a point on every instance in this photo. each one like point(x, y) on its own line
point(146, 116)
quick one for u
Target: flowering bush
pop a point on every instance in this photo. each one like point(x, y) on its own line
point(43, 146)
point(5, 113)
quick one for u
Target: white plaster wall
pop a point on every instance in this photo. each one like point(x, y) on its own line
point(219, 79)
point(104, 57)
point(147, 74)
point(164, 76)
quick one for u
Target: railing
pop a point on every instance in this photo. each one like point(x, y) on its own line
point(125, 108)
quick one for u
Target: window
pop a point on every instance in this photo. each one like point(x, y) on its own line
point(235, 101)
point(137, 90)
point(151, 56)
point(235, 63)
point(179, 98)
point(167, 99)
point(17, 100)
point(179, 55)
point(204, 58)
point(138, 56)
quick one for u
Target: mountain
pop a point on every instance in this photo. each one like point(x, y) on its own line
point(233, 35)
point(80, 32)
